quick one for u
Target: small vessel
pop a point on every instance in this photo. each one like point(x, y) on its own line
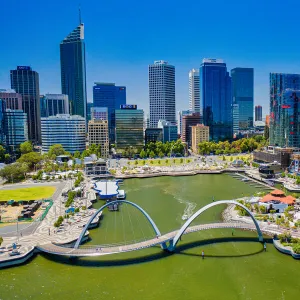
point(121, 195)
point(14, 252)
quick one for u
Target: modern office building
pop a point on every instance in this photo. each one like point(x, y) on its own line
point(161, 92)
point(67, 130)
point(98, 135)
point(15, 129)
point(129, 127)
point(25, 81)
point(169, 131)
point(235, 118)
point(194, 91)
point(200, 133)
point(258, 113)
point(181, 114)
point(73, 70)
point(89, 107)
point(242, 95)
point(54, 104)
point(99, 113)
point(12, 99)
point(153, 135)
point(216, 99)
point(281, 85)
point(111, 96)
point(187, 122)
point(2, 112)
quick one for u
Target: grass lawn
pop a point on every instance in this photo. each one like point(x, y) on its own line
point(160, 162)
point(34, 193)
point(240, 156)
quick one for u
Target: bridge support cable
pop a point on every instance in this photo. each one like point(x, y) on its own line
point(124, 235)
point(141, 227)
point(131, 223)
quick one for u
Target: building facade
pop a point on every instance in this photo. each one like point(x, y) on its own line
point(200, 133)
point(242, 95)
point(258, 113)
point(187, 122)
point(15, 129)
point(129, 127)
point(99, 113)
point(153, 135)
point(194, 91)
point(98, 135)
point(12, 99)
point(25, 81)
point(73, 70)
point(162, 92)
point(67, 130)
point(182, 113)
point(89, 107)
point(279, 83)
point(54, 104)
point(169, 131)
point(112, 97)
point(216, 99)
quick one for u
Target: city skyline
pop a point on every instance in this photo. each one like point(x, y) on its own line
point(106, 56)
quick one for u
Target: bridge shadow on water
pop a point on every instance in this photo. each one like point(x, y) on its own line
point(98, 262)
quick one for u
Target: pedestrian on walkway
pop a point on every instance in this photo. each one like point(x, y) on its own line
point(265, 246)
point(202, 254)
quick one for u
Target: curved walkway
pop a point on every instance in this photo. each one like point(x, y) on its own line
point(98, 251)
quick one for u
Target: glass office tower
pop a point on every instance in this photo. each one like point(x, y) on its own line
point(129, 127)
point(216, 99)
point(242, 95)
point(279, 83)
point(73, 71)
point(194, 91)
point(161, 92)
point(25, 81)
point(111, 96)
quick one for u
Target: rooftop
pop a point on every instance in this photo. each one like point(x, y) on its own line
point(278, 195)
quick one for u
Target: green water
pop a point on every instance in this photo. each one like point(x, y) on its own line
point(231, 270)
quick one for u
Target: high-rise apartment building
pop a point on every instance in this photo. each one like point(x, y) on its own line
point(15, 129)
point(25, 81)
point(161, 92)
point(12, 99)
point(54, 104)
point(73, 70)
point(194, 91)
point(283, 86)
point(98, 135)
point(129, 127)
point(69, 131)
point(200, 133)
point(216, 99)
point(182, 113)
point(242, 95)
point(258, 113)
point(111, 96)
point(187, 122)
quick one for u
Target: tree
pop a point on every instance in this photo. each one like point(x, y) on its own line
point(152, 154)
point(6, 158)
point(2, 153)
point(143, 154)
point(14, 172)
point(76, 154)
point(31, 159)
point(266, 132)
point(56, 150)
point(26, 147)
point(262, 209)
point(160, 154)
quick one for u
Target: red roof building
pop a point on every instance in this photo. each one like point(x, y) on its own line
point(278, 195)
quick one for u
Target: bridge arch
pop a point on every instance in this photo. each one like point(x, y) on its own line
point(173, 243)
point(157, 232)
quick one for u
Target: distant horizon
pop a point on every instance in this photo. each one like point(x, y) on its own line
point(122, 39)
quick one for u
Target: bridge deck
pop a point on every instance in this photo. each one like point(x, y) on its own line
point(98, 250)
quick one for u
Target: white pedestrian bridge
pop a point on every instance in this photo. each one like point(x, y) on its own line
point(167, 241)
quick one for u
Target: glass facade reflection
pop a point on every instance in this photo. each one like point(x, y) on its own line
point(242, 95)
point(129, 128)
point(216, 99)
point(280, 84)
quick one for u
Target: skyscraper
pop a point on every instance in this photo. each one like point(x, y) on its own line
point(258, 113)
point(54, 104)
point(25, 81)
point(283, 109)
point(111, 96)
point(73, 73)
point(194, 91)
point(242, 95)
point(216, 99)
point(161, 92)
point(12, 99)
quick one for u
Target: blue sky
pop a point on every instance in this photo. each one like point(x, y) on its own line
point(123, 37)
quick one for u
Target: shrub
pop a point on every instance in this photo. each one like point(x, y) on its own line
point(83, 207)
point(296, 248)
point(77, 209)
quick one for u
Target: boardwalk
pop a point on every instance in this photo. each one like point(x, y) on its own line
point(98, 250)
